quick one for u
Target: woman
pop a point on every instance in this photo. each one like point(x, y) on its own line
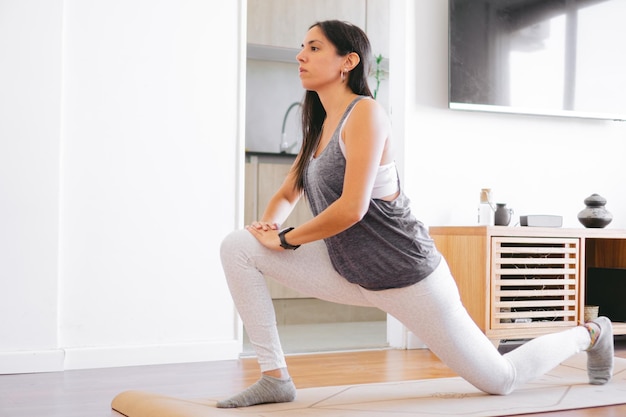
point(363, 246)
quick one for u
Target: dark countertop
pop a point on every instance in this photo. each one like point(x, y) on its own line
point(271, 157)
point(272, 154)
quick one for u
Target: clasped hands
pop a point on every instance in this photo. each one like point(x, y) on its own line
point(266, 233)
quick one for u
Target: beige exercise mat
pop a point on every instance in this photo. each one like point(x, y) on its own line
point(563, 388)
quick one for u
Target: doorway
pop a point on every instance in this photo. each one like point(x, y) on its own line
point(274, 29)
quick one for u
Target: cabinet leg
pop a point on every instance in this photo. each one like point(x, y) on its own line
point(496, 342)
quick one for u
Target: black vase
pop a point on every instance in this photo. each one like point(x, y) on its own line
point(503, 215)
point(595, 215)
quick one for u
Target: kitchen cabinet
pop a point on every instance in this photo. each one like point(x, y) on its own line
point(263, 176)
point(522, 282)
point(282, 23)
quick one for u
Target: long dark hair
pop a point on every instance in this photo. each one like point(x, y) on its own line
point(346, 38)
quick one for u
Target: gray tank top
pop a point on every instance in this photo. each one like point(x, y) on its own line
point(389, 247)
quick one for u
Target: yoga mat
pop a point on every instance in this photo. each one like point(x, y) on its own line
point(563, 388)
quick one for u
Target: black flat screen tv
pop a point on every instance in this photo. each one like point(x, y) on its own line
point(544, 57)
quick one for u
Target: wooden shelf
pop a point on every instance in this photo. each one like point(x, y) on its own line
point(619, 328)
point(537, 274)
point(523, 231)
point(272, 53)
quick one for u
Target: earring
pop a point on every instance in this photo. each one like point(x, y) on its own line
point(343, 76)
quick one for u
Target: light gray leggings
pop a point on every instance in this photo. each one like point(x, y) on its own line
point(431, 309)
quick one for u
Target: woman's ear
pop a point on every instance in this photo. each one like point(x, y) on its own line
point(352, 60)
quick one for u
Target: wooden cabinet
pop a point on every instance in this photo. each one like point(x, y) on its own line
point(533, 283)
point(263, 176)
point(283, 23)
point(523, 282)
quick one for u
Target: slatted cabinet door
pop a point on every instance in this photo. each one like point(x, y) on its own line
point(534, 282)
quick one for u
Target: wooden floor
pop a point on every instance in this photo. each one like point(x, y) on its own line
point(88, 393)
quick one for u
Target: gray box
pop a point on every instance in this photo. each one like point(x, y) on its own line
point(541, 220)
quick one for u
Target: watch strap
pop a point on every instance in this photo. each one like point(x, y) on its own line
point(283, 242)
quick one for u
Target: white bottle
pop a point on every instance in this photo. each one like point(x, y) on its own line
point(486, 212)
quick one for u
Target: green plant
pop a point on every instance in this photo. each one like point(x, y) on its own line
point(379, 73)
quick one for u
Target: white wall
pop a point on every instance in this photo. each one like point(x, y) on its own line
point(266, 104)
point(120, 162)
point(120, 169)
point(537, 165)
point(30, 108)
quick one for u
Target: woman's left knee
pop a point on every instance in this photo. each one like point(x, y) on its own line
point(234, 243)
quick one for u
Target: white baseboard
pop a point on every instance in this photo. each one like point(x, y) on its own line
point(413, 342)
point(25, 362)
point(399, 336)
point(108, 357)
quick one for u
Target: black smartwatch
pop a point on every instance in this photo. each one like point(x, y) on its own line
point(283, 242)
